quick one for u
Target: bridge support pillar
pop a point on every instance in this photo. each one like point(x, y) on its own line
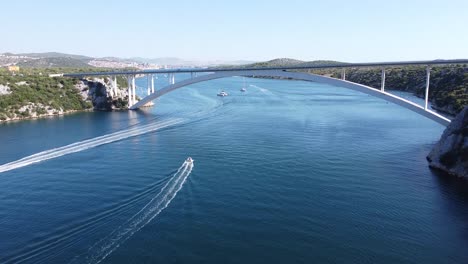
point(112, 90)
point(428, 77)
point(130, 103)
point(115, 85)
point(382, 85)
point(152, 83)
point(133, 90)
point(149, 77)
point(172, 78)
point(343, 74)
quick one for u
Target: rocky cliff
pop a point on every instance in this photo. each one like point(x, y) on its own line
point(100, 93)
point(450, 154)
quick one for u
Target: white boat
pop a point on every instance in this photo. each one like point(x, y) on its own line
point(222, 93)
point(189, 160)
point(243, 86)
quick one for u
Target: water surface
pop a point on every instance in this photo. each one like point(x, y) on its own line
point(288, 172)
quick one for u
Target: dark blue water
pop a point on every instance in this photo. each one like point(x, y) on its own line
point(288, 172)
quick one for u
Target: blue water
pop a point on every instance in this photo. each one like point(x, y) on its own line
point(288, 172)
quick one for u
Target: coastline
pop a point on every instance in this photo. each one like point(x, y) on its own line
point(43, 116)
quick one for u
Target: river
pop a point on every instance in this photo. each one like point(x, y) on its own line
point(287, 172)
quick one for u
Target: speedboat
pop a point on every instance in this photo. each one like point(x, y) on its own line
point(189, 160)
point(243, 85)
point(222, 93)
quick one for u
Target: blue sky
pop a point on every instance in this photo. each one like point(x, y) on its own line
point(353, 31)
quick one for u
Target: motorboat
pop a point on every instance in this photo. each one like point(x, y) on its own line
point(222, 93)
point(189, 160)
point(243, 86)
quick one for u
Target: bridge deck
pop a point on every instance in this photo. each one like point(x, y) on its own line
point(300, 67)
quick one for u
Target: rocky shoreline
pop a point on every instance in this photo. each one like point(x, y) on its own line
point(41, 116)
point(97, 91)
point(450, 154)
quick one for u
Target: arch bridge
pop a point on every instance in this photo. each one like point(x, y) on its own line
point(281, 72)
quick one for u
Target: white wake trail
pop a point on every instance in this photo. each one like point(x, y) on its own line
point(106, 246)
point(86, 144)
point(263, 90)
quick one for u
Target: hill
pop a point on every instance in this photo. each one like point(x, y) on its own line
point(54, 62)
point(275, 63)
point(291, 62)
point(56, 55)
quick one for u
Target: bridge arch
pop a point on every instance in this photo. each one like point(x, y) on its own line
point(303, 77)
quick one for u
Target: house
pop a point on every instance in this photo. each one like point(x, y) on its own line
point(13, 68)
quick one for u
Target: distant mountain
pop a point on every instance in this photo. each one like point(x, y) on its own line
point(173, 61)
point(56, 55)
point(57, 59)
point(322, 63)
point(54, 62)
point(276, 63)
point(291, 62)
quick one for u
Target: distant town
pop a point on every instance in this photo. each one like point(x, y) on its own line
point(13, 62)
point(57, 60)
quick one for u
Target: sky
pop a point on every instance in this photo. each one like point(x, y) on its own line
point(351, 31)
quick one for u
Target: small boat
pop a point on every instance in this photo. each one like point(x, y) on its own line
point(189, 160)
point(222, 93)
point(243, 86)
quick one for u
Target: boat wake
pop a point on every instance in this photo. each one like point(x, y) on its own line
point(89, 143)
point(99, 251)
point(263, 90)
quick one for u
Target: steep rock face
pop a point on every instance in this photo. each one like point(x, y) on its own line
point(450, 154)
point(100, 93)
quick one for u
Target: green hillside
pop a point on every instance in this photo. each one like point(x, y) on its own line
point(55, 62)
point(35, 87)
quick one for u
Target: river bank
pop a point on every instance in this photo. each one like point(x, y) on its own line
point(33, 96)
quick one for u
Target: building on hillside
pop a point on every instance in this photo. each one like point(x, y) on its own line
point(13, 68)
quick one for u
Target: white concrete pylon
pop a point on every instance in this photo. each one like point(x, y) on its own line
point(133, 89)
point(115, 86)
point(148, 80)
point(343, 74)
point(130, 103)
point(111, 86)
point(382, 85)
point(428, 77)
point(172, 78)
point(152, 83)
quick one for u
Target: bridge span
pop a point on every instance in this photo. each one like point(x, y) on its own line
point(281, 72)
